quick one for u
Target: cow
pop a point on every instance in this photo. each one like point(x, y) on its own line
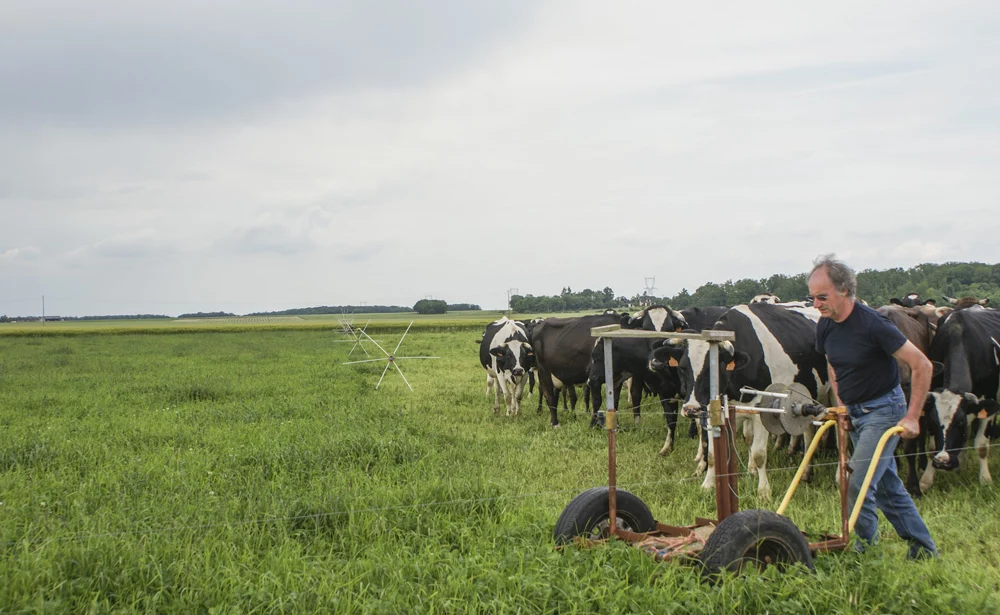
point(563, 348)
point(918, 326)
point(773, 344)
point(506, 355)
point(766, 298)
point(911, 300)
point(967, 344)
point(966, 302)
point(630, 358)
point(701, 318)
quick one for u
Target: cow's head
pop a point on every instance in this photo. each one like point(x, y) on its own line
point(946, 412)
point(691, 360)
point(657, 318)
point(910, 300)
point(514, 357)
point(766, 298)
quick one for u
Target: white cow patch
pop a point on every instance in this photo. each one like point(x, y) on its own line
point(809, 312)
point(781, 366)
point(697, 351)
point(658, 316)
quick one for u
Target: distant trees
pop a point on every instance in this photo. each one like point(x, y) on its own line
point(462, 307)
point(876, 287)
point(430, 306)
point(3, 318)
point(208, 315)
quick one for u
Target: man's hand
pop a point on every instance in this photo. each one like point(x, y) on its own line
point(911, 427)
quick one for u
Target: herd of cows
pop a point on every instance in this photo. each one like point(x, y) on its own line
point(774, 344)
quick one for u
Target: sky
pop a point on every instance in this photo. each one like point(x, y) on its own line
point(167, 158)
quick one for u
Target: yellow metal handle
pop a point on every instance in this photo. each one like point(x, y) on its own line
point(868, 476)
point(803, 465)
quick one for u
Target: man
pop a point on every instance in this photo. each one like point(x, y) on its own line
point(861, 347)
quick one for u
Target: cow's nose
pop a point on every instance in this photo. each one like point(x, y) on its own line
point(517, 371)
point(691, 409)
point(941, 459)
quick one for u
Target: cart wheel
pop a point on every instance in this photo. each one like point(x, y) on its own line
point(756, 537)
point(587, 515)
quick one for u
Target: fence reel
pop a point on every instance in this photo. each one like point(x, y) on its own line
point(797, 405)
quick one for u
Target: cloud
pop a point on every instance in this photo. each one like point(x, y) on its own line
point(11, 255)
point(142, 243)
point(113, 63)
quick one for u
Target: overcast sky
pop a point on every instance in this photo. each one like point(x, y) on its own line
point(190, 156)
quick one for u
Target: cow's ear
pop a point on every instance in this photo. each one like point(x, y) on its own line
point(972, 399)
point(987, 408)
point(740, 360)
point(895, 301)
point(938, 369)
point(930, 302)
point(498, 351)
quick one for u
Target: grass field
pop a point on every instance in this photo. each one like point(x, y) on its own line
point(247, 470)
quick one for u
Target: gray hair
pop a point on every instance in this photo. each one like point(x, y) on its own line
point(840, 274)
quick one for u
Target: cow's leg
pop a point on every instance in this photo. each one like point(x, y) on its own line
point(709, 482)
point(635, 397)
point(806, 439)
point(910, 452)
point(503, 379)
point(758, 456)
point(547, 387)
point(982, 445)
point(516, 397)
point(571, 393)
point(927, 478)
point(704, 446)
point(670, 416)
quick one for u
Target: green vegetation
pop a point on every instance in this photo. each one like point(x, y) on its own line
point(877, 287)
point(249, 471)
point(430, 306)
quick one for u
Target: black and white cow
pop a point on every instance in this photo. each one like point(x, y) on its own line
point(773, 344)
point(766, 298)
point(563, 348)
point(506, 355)
point(630, 360)
point(967, 344)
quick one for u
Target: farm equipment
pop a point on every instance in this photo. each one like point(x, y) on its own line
point(735, 538)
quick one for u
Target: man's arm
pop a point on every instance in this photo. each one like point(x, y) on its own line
point(920, 385)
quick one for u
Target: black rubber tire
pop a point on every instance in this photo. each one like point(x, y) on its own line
point(756, 537)
point(587, 515)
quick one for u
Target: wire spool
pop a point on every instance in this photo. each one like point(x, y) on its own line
point(794, 422)
point(772, 421)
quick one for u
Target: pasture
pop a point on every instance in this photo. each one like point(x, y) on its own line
point(244, 469)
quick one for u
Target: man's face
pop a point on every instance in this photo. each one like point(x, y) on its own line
point(831, 303)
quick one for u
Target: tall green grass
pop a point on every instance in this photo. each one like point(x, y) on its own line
point(252, 472)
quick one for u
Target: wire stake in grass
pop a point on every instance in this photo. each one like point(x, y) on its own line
point(390, 359)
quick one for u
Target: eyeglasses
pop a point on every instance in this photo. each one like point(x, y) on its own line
point(822, 298)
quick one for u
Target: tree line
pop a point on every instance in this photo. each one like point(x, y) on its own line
point(931, 281)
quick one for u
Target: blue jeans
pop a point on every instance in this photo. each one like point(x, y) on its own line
point(871, 419)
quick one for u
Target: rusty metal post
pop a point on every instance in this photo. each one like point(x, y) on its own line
point(609, 424)
point(719, 435)
point(734, 477)
point(845, 514)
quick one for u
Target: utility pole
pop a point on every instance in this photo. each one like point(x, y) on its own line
point(510, 293)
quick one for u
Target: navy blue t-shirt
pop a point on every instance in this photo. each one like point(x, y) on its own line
point(860, 350)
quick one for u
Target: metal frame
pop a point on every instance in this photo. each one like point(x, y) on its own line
point(669, 541)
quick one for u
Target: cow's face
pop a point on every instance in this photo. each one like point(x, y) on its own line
point(658, 318)
point(766, 298)
point(693, 369)
point(514, 357)
point(946, 412)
